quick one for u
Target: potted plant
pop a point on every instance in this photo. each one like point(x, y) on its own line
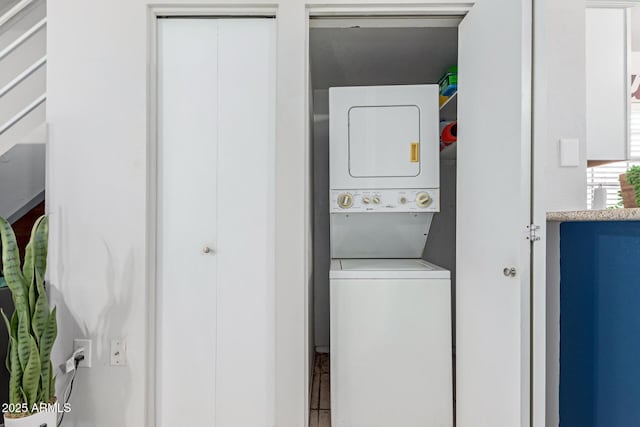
point(32, 331)
point(630, 187)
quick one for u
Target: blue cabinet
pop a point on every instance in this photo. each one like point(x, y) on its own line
point(600, 324)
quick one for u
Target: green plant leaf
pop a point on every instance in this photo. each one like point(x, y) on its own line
point(11, 264)
point(15, 379)
point(32, 296)
point(6, 321)
point(52, 383)
point(46, 344)
point(7, 359)
point(8, 325)
point(45, 378)
point(41, 314)
point(41, 292)
point(14, 324)
point(52, 387)
point(35, 257)
point(31, 375)
point(23, 336)
point(23, 396)
point(13, 333)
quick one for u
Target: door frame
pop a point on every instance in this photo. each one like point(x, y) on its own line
point(155, 12)
point(456, 8)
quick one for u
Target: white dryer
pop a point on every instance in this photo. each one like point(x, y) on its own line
point(385, 137)
point(384, 169)
point(391, 361)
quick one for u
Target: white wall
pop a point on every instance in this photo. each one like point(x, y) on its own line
point(560, 99)
point(22, 173)
point(97, 85)
point(5, 5)
point(97, 194)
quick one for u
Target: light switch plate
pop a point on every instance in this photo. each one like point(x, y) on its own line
point(118, 352)
point(569, 152)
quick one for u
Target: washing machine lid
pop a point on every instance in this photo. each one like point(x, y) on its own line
point(386, 269)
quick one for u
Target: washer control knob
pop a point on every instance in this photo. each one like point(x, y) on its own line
point(376, 200)
point(423, 199)
point(345, 200)
point(366, 200)
point(403, 200)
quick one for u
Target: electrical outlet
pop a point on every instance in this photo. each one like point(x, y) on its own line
point(86, 344)
point(118, 352)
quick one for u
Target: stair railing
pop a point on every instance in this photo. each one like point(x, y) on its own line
point(4, 19)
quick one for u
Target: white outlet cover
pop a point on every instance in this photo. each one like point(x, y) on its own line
point(569, 152)
point(86, 344)
point(118, 352)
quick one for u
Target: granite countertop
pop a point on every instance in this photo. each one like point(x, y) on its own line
point(593, 215)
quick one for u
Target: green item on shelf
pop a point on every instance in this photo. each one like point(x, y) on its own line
point(449, 82)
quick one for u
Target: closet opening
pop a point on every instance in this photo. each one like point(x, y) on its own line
point(381, 52)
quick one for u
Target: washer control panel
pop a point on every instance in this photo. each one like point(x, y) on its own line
point(424, 200)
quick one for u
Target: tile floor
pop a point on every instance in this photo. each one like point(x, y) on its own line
point(320, 414)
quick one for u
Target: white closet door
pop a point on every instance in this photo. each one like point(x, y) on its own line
point(216, 167)
point(493, 204)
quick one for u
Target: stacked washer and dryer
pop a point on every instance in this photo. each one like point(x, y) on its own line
point(391, 343)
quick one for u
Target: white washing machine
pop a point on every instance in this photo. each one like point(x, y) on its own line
point(391, 361)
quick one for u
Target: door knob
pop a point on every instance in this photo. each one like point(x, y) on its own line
point(509, 271)
point(207, 250)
